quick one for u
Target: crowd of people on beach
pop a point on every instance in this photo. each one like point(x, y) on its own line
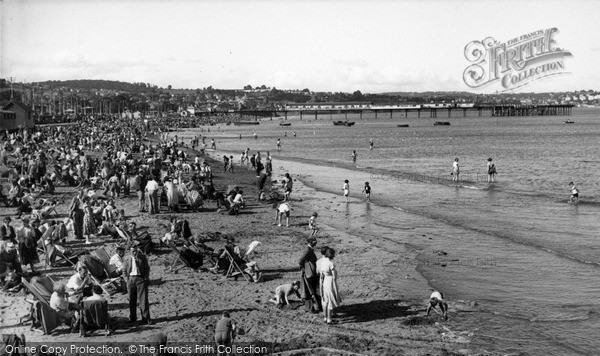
point(103, 160)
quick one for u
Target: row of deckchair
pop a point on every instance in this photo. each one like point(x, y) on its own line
point(181, 256)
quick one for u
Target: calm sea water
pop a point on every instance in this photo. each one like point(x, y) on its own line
point(517, 247)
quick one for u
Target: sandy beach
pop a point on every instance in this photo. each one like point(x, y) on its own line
point(375, 319)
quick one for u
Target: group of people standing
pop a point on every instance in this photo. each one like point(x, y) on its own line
point(319, 289)
point(490, 170)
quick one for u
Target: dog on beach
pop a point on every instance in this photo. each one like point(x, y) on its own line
point(283, 291)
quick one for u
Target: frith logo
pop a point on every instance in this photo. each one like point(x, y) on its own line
point(515, 63)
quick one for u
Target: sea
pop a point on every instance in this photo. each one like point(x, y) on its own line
point(527, 257)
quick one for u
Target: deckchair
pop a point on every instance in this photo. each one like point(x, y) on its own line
point(103, 257)
point(114, 283)
point(49, 318)
point(234, 269)
point(178, 257)
point(51, 252)
point(123, 235)
point(143, 235)
point(44, 210)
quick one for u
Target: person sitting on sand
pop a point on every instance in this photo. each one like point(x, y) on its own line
point(239, 199)
point(232, 194)
point(437, 298)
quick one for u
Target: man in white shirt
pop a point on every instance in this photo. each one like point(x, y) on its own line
point(79, 284)
point(152, 189)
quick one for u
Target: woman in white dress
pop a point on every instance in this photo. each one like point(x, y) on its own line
point(330, 297)
point(346, 189)
point(455, 170)
point(172, 198)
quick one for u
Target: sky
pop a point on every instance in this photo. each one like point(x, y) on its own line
point(372, 46)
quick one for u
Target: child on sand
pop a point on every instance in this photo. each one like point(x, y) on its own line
point(367, 191)
point(346, 189)
point(312, 224)
point(574, 193)
point(281, 210)
point(435, 299)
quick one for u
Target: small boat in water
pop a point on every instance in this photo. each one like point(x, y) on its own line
point(240, 123)
point(443, 123)
point(285, 124)
point(402, 125)
point(343, 123)
point(568, 122)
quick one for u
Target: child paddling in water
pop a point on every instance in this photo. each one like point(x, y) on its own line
point(367, 191)
point(346, 189)
point(574, 193)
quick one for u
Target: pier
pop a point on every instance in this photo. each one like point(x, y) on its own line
point(432, 112)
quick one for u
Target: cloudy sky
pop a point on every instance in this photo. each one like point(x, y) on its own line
point(372, 46)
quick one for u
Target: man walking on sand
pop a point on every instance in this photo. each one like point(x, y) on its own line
point(140, 183)
point(152, 189)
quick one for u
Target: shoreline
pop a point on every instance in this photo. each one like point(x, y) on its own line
point(370, 314)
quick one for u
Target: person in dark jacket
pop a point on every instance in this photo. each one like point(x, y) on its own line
point(137, 274)
point(310, 279)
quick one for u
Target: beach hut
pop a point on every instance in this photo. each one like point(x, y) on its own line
point(15, 115)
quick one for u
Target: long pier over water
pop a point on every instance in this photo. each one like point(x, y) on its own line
point(433, 112)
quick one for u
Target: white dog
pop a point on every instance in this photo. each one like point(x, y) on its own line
point(284, 291)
